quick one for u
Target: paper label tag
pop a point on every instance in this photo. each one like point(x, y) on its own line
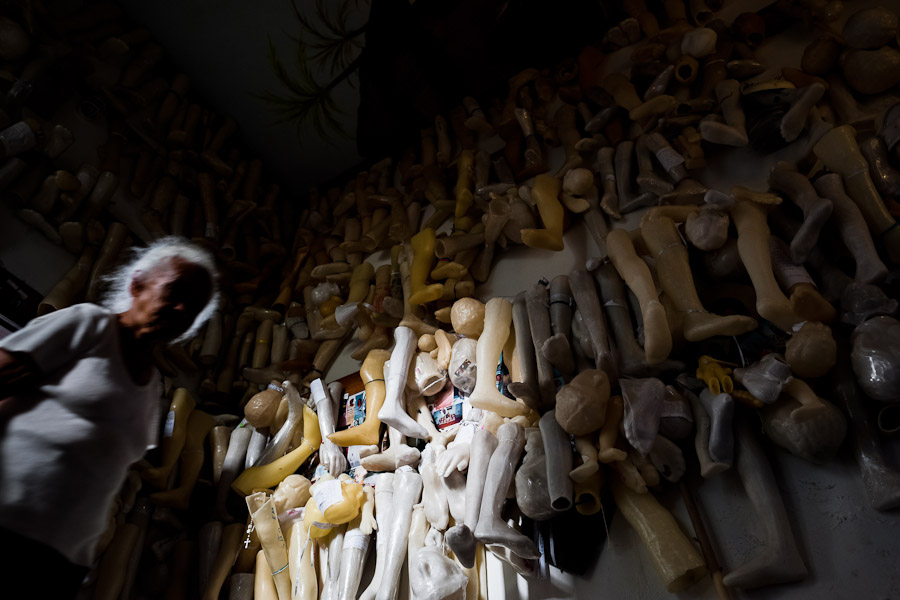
point(669, 158)
point(327, 494)
point(787, 272)
point(170, 424)
point(448, 408)
point(17, 138)
point(356, 539)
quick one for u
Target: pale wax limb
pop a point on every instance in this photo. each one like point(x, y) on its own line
point(393, 411)
point(433, 498)
point(280, 441)
point(432, 575)
point(536, 301)
point(606, 443)
point(677, 282)
point(353, 556)
point(330, 456)
point(784, 177)
point(301, 572)
point(234, 461)
point(556, 348)
point(677, 561)
point(263, 583)
point(407, 490)
point(262, 510)
point(372, 374)
point(397, 455)
point(498, 315)
point(179, 410)
point(384, 496)
point(333, 567)
point(779, 561)
point(460, 537)
point(418, 527)
point(753, 246)
point(417, 409)
point(525, 386)
point(532, 496)
point(218, 446)
point(491, 529)
point(559, 462)
point(588, 303)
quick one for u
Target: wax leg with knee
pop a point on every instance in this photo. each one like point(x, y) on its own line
point(179, 410)
point(779, 561)
point(657, 338)
point(199, 425)
point(407, 490)
point(437, 510)
point(526, 386)
point(615, 305)
point(460, 538)
point(784, 177)
point(397, 455)
point(393, 411)
point(491, 529)
point(546, 195)
point(423, 257)
point(372, 374)
point(335, 558)
point(753, 246)
point(353, 556)
point(606, 440)
point(497, 319)
point(384, 513)
point(853, 230)
point(677, 282)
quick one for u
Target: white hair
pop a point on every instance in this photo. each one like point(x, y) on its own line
point(118, 296)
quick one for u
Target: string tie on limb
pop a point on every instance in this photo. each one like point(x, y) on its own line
point(667, 246)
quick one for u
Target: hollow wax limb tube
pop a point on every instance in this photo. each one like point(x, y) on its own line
point(330, 455)
point(407, 490)
point(536, 301)
point(588, 303)
point(753, 246)
point(545, 194)
point(460, 537)
point(372, 374)
point(225, 557)
point(784, 177)
point(179, 410)
point(491, 529)
point(677, 281)
point(199, 425)
point(525, 388)
point(393, 411)
point(677, 561)
point(839, 151)
point(265, 521)
point(853, 230)
point(556, 348)
point(636, 274)
point(234, 461)
point(497, 319)
point(559, 462)
point(615, 305)
point(270, 475)
point(720, 408)
point(779, 561)
point(301, 572)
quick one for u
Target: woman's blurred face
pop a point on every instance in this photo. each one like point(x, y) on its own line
point(167, 299)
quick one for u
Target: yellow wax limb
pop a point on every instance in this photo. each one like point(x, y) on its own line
point(423, 257)
point(270, 475)
point(372, 374)
point(546, 195)
point(182, 405)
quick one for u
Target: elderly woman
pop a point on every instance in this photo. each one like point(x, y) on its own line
point(79, 403)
